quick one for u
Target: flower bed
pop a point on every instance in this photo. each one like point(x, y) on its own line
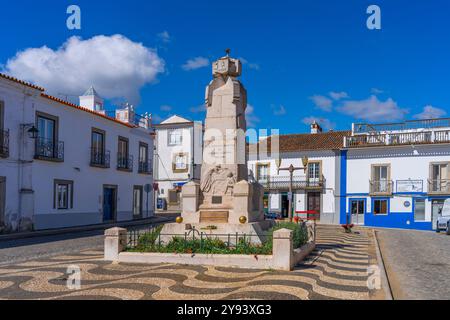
point(203, 244)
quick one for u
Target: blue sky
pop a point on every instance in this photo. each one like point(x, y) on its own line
point(304, 60)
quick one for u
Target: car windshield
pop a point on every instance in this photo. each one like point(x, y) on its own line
point(446, 208)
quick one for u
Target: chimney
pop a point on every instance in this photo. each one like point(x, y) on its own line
point(315, 128)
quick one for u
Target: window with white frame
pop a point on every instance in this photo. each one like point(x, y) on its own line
point(314, 171)
point(63, 194)
point(175, 137)
point(180, 163)
point(262, 173)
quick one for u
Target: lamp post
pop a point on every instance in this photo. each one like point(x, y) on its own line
point(291, 169)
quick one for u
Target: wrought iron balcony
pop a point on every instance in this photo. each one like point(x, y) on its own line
point(397, 139)
point(145, 167)
point(381, 187)
point(441, 186)
point(100, 158)
point(124, 162)
point(298, 183)
point(49, 149)
point(4, 143)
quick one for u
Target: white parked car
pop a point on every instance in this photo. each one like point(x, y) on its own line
point(443, 222)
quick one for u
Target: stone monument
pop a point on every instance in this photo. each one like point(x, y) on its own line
point(224, 202)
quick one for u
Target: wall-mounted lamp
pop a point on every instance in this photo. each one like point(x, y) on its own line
point(32, 130)
point(33, 133)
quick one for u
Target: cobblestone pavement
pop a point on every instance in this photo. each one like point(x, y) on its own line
point(336, 270)
point(26, 249)
point(417, 263)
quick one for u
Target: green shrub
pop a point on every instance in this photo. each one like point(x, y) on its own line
point(210, 245)
point(299, 236)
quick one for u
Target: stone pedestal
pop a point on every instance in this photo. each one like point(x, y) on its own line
point(115, 242)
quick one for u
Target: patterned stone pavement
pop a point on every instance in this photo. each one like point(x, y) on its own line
point(336, 270)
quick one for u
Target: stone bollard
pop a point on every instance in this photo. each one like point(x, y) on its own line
point(283, 251)
point(115, 242)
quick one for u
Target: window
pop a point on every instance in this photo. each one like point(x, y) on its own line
point(314, 172)
point(180, 163)
point(144, 166)
point(380, 206)
point(380, 179)
point(419, 209)
point(262, 172)
point(175, 137)
point(124, 160)
point(439, 177)
point(98, 153)
point(46, 143)
point(63, 195)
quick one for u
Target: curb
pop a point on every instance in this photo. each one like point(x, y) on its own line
point(51, 232)
point(384, 278)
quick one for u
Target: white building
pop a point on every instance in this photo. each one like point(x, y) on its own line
point(397, 175)
point(387, 175)
point(81, 167)
point(314, 189)
point(177, 159)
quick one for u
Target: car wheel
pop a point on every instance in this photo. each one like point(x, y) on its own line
point(448, 228)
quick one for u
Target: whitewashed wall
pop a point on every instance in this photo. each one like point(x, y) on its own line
point(75, 131)
point(328, 160)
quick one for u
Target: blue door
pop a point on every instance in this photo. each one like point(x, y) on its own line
point(109, 203)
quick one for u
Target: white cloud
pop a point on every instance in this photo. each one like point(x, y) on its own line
point(116, 66)
point(322, 102)
point(325, 123)
point(278, 110)
point(373, 109)
point(253, 66)
point(164, 36)
point(338, 95)
point(430, 112)
point(198, 109)
point(195, 63)
point(376, 91)
point(250, 116)
point(165, 108)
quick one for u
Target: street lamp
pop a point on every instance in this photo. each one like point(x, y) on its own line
point(291, 169)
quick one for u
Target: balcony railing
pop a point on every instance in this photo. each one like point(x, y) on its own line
point(49, 149)
point(441, 186)
point(407, 125)
point(145, 167)
point(393, 139)
point(100, 158)
point(381, 187)
point(124, 162)
point(298, 183)
point(4, 143)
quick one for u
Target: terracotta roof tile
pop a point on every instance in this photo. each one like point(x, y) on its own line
point(44, 95)
point(4, 76)
point(308, 142)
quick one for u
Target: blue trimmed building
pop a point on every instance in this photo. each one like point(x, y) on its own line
point(396, 175)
